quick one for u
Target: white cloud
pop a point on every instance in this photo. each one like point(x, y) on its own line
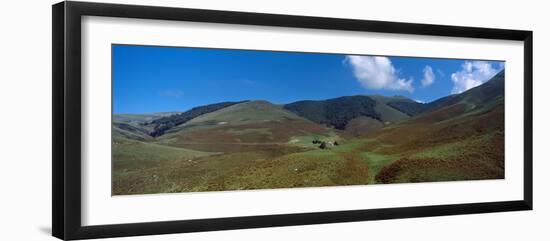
point(472, 74)
point(376, 72)
point(429, 76)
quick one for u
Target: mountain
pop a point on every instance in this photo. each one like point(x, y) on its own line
point(356, 114)
point(401, 104)
point(407, 107)
point(245, 124)
point(338, 112)
point(132, 126)
point(244, 113)
point(335, 112)
point(388, 114)
point(459, 137)
point(127, 131)
point(360, 114)
point(484, 95)
point(388, 99)
point(140, 118)
point(159, 126)
point(145, 126)
point(488, 97)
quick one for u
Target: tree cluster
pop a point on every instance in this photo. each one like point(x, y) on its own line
point(335, 112)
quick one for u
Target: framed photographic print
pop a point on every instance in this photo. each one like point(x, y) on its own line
point(170, 120)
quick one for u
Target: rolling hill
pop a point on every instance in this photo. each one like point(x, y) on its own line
point(145, 126)
point(478, 97)
point(401, 104)
point(358, 114)
point(161, 125)
point(335, 112)
point(463, 133)
point(133, 126)
point(140, 118)
point(244, 113)
point(243, 125)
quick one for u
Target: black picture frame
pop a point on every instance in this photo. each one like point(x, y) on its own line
point(66, 75)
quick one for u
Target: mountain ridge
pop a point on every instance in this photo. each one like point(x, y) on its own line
point(336, 112)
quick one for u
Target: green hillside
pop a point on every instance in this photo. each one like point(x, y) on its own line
point(475, 98)
point(460, 137)
point(243, 126)
point(140, 118)
point(134, 126)
point(244, 113)
point(335, 112)
point(161, 125)
point(134, 164)
point(388, 99)
point(357, 115)
point(407, 107)
point(126, 131)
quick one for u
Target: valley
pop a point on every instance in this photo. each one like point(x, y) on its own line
point(348, 140)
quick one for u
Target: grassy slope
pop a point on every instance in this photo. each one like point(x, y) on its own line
point(335, 112)
point(460, 138)
point(388, 115)
point(387, 112)
point(244, 113)
point(134, 163)
point(130, 126)
point(363, 125)
point(132, 135)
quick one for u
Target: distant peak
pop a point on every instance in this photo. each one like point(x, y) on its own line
point(258, 102)
point(390, 97)
point(400, 97)
point(500, 74)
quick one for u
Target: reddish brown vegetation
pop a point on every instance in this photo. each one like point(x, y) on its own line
point(442, 114)
point(466, 167)
point(352, 172)
point(236, 138)
point(479, 158)
point(416, 135)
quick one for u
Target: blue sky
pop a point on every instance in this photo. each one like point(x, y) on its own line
point(156, 79)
